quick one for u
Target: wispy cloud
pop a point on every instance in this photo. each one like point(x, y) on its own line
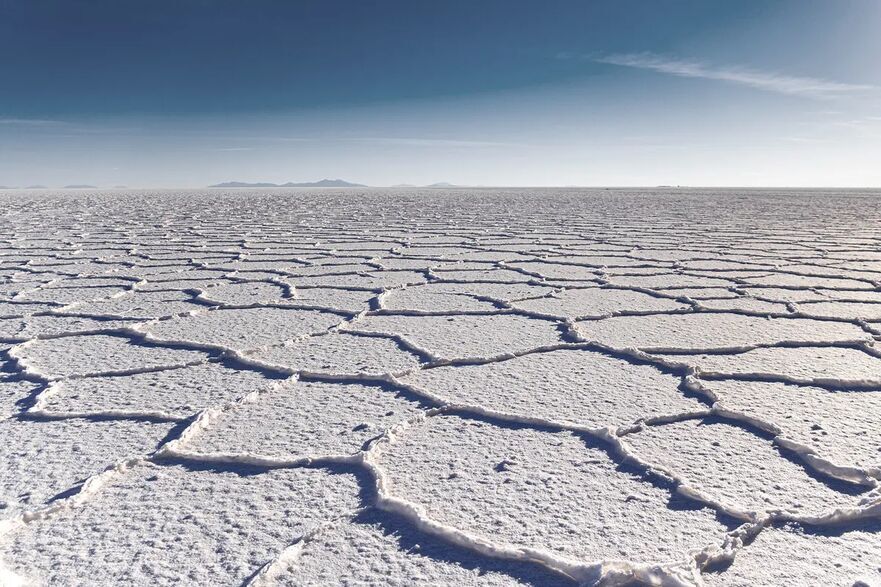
point(426, 142)
point(277, 139)
point(393, 141)
point(811, 87)
point(797, 139)
point(30, 121)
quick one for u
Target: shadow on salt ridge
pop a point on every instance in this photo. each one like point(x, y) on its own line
point(739, 467)
point(99, 354)
point(575, 387)
point(224, 524)
point(835, 367)
point(553, 491)
point(341, 354)
point(805, 555)
point(711, 330)
point(837, 426)
point(243, 329)
point(305, 419)
point(41, 459)
point(466, 336)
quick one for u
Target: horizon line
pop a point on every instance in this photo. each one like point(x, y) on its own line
point(38, 188)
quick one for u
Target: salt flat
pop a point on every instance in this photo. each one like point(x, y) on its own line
point(476, 387)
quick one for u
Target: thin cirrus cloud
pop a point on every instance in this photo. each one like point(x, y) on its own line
point(29, 122)
point(810, 87)
point(431, 142)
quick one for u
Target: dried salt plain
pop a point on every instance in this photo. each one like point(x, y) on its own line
point(497, 387)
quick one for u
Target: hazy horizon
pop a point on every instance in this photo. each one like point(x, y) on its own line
point(747, 94)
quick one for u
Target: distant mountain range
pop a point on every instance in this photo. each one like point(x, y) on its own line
point(324, 183)
point(440, 184)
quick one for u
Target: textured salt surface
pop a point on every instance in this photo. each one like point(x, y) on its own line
point(170, 525)
point(581, 381)
point(806, 556)
point(42, 459)
point(172, 393)
point(496, 387)
point(544, 490)
point(836, 367)
point(363, 554)
point(303, 420)
point(340, 353)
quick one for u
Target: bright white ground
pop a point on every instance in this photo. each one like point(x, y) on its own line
point(496, 387)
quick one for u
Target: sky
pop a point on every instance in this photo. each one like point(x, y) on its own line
point(186, 93)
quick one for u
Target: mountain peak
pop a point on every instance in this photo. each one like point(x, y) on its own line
point(324, 183)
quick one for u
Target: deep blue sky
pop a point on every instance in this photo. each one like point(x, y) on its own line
point(233, 56)
point(493, 92)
